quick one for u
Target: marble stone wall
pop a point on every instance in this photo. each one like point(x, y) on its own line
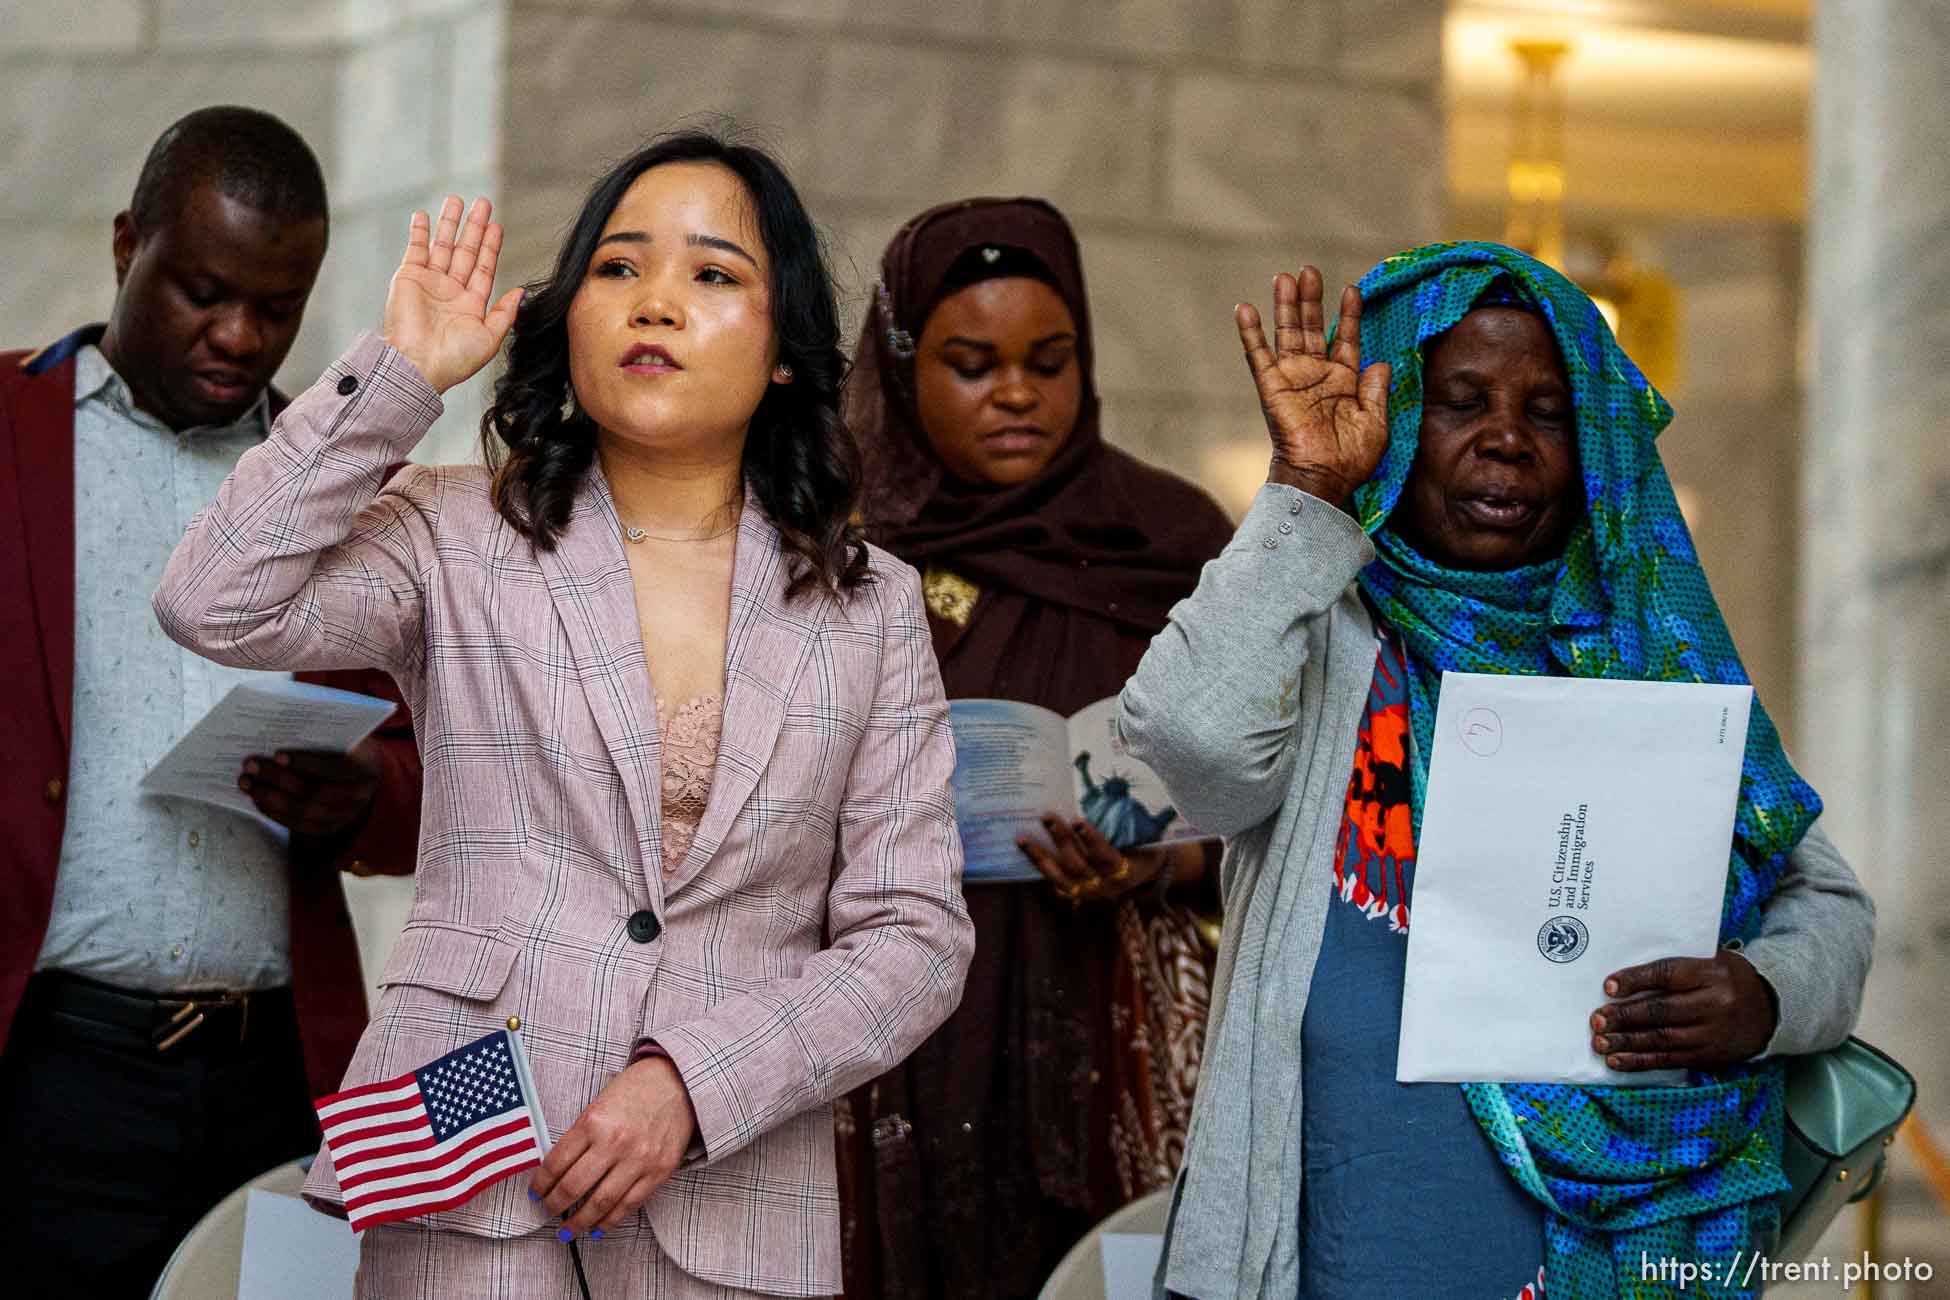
point(400, 99)
point(1733, 447)
point(1875, 522)
point(1198, 145)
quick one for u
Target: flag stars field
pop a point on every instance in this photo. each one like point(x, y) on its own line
point(431, 1139)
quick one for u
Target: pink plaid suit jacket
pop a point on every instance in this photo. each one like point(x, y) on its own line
point(813, 936)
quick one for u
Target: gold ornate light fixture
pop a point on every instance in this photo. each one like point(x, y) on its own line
point(1640, 302)
point(1536, 177)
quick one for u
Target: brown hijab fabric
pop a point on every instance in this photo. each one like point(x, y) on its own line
point(1097, 530)
point(1060, 1087)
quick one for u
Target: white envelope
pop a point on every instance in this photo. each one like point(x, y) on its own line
point(293, 1252)
point(1130, 1263)
point(1571, 827)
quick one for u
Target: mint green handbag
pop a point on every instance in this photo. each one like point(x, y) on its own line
point(1843, 1106)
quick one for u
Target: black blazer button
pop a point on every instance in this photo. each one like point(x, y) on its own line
point(348, 385)
point(644, 926)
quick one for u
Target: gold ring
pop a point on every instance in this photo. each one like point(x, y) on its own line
point(1123, 871)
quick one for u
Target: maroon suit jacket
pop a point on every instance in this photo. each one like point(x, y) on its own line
point(37, 487)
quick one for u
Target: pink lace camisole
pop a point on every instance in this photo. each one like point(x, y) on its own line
point(690, 754)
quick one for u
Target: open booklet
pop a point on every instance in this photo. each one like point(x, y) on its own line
point(1014, 762)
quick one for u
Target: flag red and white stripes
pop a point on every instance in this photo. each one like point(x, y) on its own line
point(431, 1139)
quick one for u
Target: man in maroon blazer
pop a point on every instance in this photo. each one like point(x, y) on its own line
point(175, 982)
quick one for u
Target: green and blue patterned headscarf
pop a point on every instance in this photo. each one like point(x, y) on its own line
point(1687, 1173)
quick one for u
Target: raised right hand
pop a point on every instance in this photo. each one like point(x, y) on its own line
point(437, 311)
point(1328, 419)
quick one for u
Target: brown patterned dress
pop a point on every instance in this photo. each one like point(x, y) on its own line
point(1061, 1086)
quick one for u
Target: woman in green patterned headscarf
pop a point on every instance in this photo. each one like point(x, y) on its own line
point(1484, 496)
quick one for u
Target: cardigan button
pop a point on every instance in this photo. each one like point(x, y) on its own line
point(53, 790)
point(644, 926)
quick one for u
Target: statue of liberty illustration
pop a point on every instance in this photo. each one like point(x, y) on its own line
point(1120, 818)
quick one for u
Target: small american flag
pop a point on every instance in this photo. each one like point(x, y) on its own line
point(431, 1139)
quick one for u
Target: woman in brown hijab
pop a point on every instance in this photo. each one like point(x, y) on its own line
point(1061, 1087)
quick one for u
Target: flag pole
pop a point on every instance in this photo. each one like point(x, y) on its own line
point(520, 1055)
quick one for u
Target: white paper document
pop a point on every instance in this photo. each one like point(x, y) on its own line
point(260, 718)
point(1130, 1263)
point(293, 1252)
point(1571, 827)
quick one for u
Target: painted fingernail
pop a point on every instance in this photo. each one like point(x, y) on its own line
point(1616, 1062)
point(1611, 987)
point(534, 1195)
point(563, 1234)
point(1602, 1044)
point(250, 766)
point(595, 1234)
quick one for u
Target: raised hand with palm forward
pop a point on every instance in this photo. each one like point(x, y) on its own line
point(437, 311)
point(1327, 418)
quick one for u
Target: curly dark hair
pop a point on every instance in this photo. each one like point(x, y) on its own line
point(799, 461)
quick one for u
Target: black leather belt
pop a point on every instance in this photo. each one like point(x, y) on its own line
point(210, 1019)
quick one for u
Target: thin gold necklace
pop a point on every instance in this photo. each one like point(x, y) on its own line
point(637, 536)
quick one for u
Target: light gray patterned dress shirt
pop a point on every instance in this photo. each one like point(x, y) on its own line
point(157, 894)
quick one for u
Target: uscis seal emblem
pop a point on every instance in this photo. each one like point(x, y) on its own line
point(1563, 938)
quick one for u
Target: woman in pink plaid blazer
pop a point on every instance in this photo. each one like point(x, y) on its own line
point(704, 948)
